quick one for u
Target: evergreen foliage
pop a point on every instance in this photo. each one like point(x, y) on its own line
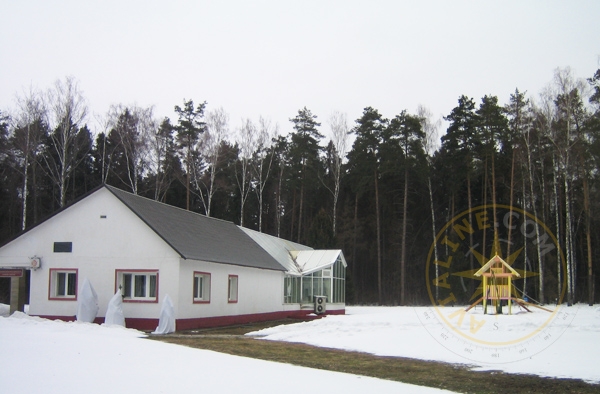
point(537, 153)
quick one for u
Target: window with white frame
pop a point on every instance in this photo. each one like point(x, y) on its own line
point(138, 285)
point(292, 289)
point(63, 284)
point(201, 287)
point(232, 288)
point(339, 282)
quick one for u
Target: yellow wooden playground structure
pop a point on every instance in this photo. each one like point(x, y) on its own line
point(497, 277)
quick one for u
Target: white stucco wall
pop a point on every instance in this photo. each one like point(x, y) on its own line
point(100, 246)
point(259, 291)
point(106, 236)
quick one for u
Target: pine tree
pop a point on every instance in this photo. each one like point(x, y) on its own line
point(304, 158)
point(459, 145)
point(405, 132)
point(189, 128)
point(364, 163)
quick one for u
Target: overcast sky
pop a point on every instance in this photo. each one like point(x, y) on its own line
point(272, 58)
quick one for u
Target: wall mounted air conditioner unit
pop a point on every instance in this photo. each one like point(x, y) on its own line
point(35, 263)
point(320, 304)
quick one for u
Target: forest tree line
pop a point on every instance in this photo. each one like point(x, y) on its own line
point(379, 188)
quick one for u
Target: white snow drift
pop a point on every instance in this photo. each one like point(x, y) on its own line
point(38, 355)
point(44, 356)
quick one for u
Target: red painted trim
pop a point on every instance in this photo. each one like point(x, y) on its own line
point(207, 322)
point(219, 321)
point(50, 287)
point(137, 323)
point(237, 289)
point(194, 301)
point(130, 301)
point(63, 318)
point(4, 273)
point(141, 324)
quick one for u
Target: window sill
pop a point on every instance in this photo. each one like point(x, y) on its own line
point(70, 298)
point(134, 301)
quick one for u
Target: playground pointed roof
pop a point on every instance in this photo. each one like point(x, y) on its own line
point(494, 260)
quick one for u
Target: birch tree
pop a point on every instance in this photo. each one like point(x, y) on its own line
point(217, 128)
point(430, 129)
point(281, 152)
point(102, 158)
point(26, 141)
point(67, 110)
point(593, 130)
point(567, 133)
point(134, 128)
point(339, 137)
point(4, 144)
point(534, 140)
point(243, 174)
point(263, 161)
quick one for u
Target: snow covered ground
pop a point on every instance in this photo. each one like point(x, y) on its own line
point(572, 352)
point(38, 355)
point(44, 356)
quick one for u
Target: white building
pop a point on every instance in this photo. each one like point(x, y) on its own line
point(215, 272)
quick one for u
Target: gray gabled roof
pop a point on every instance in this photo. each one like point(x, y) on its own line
point(198, 237)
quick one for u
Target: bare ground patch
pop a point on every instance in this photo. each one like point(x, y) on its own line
point(231, 340)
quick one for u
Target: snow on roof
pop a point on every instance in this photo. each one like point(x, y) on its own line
point(278, 248)
point(298, 259)
point(314, 260)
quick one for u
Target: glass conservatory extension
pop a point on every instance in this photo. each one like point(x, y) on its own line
point(329, 281)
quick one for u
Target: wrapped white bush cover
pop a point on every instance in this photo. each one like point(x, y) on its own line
point(166, 323)
point(87, 303)
point(114, 312)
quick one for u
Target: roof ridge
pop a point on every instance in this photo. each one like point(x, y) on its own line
point(114, 189)
point(196, 236)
